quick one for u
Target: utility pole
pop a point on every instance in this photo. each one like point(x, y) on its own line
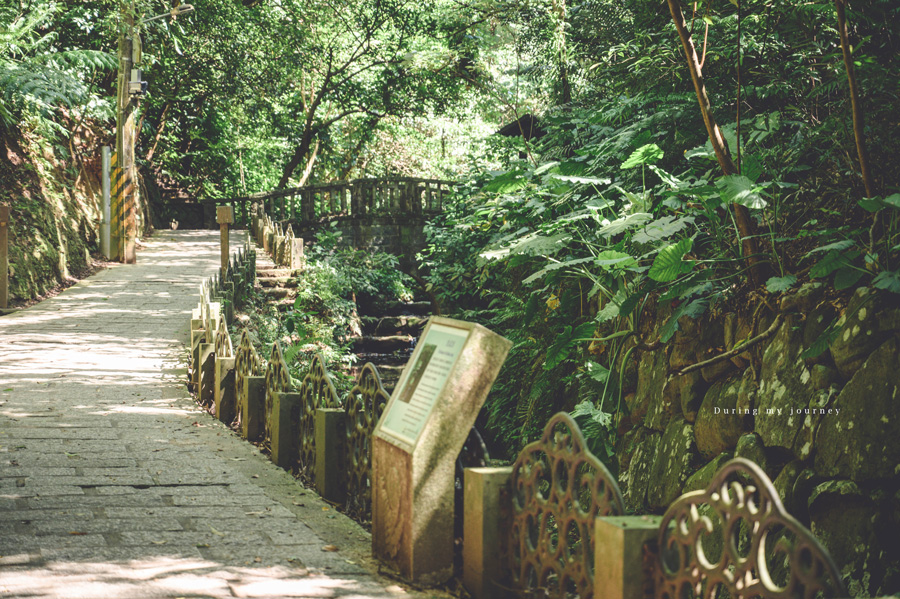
point(123, 234)
point(123, 205)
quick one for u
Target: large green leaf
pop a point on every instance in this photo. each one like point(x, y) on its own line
point(555, 266)
point(611, 259)
point(662, 228)
point(596, 371)
point(691, 309)
point(823, 341)
point(649, 154)
point(847, 277)
point(888, 280)
point(738, 189)
point(582, 180)
point(623, 224)
point(670, 264)
point(837, 245)
point(893, 200)
point(506, 182)
point(779, 284)
point(532, 244)
point(832, 261)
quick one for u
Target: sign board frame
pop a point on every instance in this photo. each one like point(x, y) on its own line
point(417, 440)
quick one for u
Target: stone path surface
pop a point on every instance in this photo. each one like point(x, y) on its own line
point(114, 484)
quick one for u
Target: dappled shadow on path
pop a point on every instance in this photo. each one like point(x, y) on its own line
point(168, 576)
point(113, 483)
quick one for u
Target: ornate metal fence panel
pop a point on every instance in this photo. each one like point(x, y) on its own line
point(223, 341)
point(365, 403)
point(316, 391)
point(246, 364)
point(558, 490)
point(735, 540)
point(278, 380)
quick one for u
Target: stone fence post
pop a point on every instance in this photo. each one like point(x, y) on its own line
point(619, 555)
point(330, 433)
point(485, 528)
point(225, 217)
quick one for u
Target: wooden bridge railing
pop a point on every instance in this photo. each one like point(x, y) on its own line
point(397, 196)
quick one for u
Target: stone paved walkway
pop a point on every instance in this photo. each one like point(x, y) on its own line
point(114, 484)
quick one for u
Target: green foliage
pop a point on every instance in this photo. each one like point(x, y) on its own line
point(37, 75)
point(780, 284)
point(738, 189)
point(324, 316)
point(648, 154)
point(598, 429)
point(556, 242)
point(670, 264)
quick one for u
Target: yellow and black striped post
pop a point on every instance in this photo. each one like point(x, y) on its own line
point(124, 226)
point(116, 201)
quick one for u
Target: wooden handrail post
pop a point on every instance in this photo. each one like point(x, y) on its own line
point(225, 217)
point(4, 257)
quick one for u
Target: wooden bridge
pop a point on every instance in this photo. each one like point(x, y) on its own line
point(386, 214)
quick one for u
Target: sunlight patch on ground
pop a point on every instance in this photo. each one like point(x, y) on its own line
point(166, 576)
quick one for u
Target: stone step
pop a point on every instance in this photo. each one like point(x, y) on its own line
point(273, 271)
point(273, 293)
point(396, 325)
point(388, 372)
point(383, 345)
point(278, 282)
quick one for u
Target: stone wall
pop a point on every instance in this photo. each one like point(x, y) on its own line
point(402, 236)
point(826, 430)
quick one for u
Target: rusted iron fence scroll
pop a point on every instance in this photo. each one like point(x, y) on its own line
point(735, 539)
point(558, 489)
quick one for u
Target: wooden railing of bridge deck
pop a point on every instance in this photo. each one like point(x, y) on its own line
point(396, 196)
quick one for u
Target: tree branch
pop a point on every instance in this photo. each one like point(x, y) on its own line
point(736, 350)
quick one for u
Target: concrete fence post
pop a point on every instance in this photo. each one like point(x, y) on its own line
point(296, 253)
point(278, 250)
point(225, 217)
point(283, 429)
point(207, 370)
point(224, 397)
point(331, 430)
point(619, 555)
point(198, 337)
point(484, 531)
point(254, 414)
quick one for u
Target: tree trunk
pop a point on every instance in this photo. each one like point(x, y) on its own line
point(309, 164)
point(296, 158)
point(745, 226)
point(855, 105)
point(159, 131)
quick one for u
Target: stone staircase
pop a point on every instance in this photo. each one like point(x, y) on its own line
point(276, 283)
point(388, 335)
point(389, 338)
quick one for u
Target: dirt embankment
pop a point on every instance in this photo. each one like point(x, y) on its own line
point(53, 189)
